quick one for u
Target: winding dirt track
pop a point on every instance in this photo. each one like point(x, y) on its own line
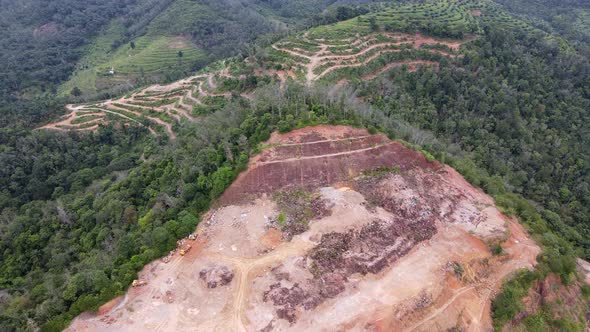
point(323, 55)
point(245, 268)
point(154, 93)
point(434, 314)
point(175, 99)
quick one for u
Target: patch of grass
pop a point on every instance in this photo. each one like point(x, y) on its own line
point(152, 54)
point(382, 171)
point(341, 30)
point(299, 45)
point(154, 103)
point(458, 269)
point(496, 249)
point(281, 219)
point(84, 77)
point(427, 155)
point(145, 111)
point(261, 147)
point(283, 58)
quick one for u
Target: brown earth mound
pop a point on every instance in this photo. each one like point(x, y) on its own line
point(335, 230)
point(216, 276)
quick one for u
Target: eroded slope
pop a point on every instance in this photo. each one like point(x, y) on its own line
point(372, 237)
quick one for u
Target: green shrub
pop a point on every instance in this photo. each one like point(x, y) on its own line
point(496, 249)
point(509, 302)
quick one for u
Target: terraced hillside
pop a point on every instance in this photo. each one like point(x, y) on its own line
point(490, 12)
point(361, 48)
point(157, 107)
point(404, 35)
point(439, 18)
point(143, 46)
point(364, 57)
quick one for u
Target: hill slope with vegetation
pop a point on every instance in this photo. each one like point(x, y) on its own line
point(65, 49)
point(501, 99)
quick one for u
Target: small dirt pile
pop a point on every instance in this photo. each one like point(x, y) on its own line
point(216, 276)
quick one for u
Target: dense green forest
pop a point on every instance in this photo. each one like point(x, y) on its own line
point(80, 214)
point(569, 18)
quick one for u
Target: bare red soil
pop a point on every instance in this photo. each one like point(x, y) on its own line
point(316, 161)
point(374, 242)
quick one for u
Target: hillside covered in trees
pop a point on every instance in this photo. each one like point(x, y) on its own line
point(499, 90)
point(64, 49)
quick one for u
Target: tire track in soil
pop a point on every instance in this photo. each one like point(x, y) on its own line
point(457, 293)
point(246, 269)
point(261, 163)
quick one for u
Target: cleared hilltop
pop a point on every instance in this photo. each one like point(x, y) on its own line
point(332, 228)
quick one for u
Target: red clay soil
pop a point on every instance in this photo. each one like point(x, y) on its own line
point(560, 300)
point(382, 258)
point(272, 238)
point(317, 159)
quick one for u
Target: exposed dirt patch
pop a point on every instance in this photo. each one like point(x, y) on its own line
point(105, 308)
point(216, 275)
point(552, 295)
point(272, 238)
point(392, 242)
point(317, 160)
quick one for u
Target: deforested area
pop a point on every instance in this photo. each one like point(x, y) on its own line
point(294, 165)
